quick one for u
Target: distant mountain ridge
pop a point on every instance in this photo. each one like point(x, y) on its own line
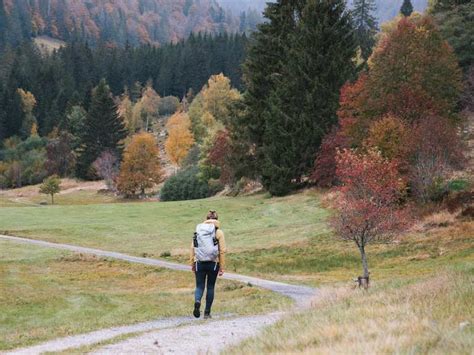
point(112, 21)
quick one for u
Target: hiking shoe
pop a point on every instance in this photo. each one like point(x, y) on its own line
point(207, 315)
point(197, 312)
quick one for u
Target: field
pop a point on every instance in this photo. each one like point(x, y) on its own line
point(45, 294)
point(420, 299)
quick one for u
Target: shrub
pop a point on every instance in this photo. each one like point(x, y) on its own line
point(185, 185)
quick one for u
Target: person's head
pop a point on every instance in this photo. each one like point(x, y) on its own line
point(212, 215)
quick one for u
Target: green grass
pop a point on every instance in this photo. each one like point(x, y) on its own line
point(86, 197)
point(154, 228)
point(430, 315)
point(45, 294)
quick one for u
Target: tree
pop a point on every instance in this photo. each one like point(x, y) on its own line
point(51, 186)
point(104, 129)
point(413, 73)
point(435, 151)
point(407, 8)
point(219, 156)
point(28, 103)
point(302, 103)
point(389, 135)
point(149, 104)
point(61, 160)
point(180, 139)
point(368, 203)
point(454, 18)
point(140, 168)
point(365, 25)
point(107, 167)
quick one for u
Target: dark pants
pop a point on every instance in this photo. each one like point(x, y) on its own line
point(206, 270)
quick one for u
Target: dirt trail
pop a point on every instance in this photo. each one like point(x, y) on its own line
point(213, 336)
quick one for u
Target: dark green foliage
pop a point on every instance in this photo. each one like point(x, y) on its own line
point(104, 130)
point(65, 79)
point(185, 185)
point(293, 87)
point(365, 25)
point(455, 19)
point(407, 8)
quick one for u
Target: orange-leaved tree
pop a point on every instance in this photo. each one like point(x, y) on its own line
point(180, 139)
point(140, 167)
point(413, 72)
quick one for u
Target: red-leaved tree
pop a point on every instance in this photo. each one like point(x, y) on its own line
point(219, 156)
point(368, 202)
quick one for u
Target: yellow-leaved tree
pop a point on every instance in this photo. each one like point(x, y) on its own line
point(140, 167)
point(211, 110)
point(180, 139)
point(28, 103)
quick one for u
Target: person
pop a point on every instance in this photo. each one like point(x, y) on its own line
point(207, 261)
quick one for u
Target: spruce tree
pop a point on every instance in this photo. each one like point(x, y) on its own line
point(293, 87)
point(104, 130)
point(365, 26)
point(305, 99)
point(407, 8)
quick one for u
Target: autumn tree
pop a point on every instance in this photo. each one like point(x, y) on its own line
point(61, 159)
point(211, 109)
point(219, 155)
point(368, 203)
point(390, 136)
point(104, 129)
point(28, 103)
point(107, 167)
point(51, 186)
point(435, 151)
point(413, 73)
point(180, 139)
point(126, 113)
point(140, 168)
point(149, 104)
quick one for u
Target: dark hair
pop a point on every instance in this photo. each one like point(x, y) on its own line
point(212, 215)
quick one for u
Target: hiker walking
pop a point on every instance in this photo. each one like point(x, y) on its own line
point(207, 260)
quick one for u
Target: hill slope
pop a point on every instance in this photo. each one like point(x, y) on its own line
point(112, 21)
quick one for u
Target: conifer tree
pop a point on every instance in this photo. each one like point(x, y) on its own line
point(407, 8)
point(295, 103)
point(104, 130)
point(365, 25)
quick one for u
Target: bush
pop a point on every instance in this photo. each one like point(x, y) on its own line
point(185, 185)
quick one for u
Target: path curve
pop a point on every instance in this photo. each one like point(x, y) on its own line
point(233, 330)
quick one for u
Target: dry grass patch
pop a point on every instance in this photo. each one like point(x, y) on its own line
point(431, 316)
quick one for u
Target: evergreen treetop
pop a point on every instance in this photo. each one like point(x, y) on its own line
point(407, 8)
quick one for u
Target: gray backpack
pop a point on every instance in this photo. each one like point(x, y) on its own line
point(206, 246)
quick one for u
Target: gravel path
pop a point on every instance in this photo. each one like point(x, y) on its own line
point(213, 335)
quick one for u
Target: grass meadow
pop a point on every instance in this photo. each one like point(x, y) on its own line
point(45, 294)
point(421, 298)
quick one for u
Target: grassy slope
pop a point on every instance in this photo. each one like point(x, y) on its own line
point(153, 228)
point(46, 294)
point(418, 315)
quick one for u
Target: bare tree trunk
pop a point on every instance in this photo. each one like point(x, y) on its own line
point(364, 280)
point(52, 199)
